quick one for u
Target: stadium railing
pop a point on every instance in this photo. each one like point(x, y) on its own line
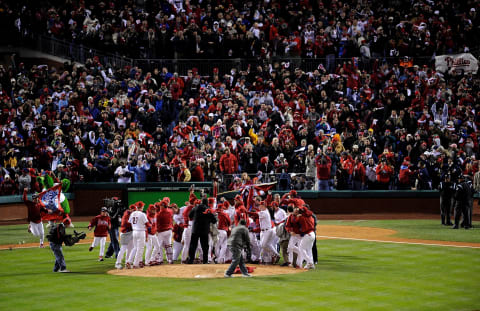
point(80, 53)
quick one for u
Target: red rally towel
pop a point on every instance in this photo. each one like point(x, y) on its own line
point(249, 269)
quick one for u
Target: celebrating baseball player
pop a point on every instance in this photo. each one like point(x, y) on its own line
point(102, 225)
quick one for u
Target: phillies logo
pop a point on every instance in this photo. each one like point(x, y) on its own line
point(50, 199)
point(457, 62)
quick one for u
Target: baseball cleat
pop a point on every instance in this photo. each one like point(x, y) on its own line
point(118, 266)
point(227, 275)
point(128, 265)
point(248, 275)
point(90, 248)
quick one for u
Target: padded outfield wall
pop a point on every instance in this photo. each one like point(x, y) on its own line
point(87, 199)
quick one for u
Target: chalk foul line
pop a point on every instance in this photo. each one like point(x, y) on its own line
point(396, 242)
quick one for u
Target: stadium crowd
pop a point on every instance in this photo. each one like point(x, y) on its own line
point(365, 124)
point(253, 29)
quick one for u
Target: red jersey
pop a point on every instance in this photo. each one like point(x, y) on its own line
point(153, 220)
point(34, 211)
point(241, 213)
point(297, 202)
point(126, 226)
point(186, 211)
point(223, 220)
point(164, 219)
point(292, 224)
point(101, 224)
point(306, 222)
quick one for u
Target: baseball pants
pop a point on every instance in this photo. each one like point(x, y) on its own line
point(139, 244)
point(152, 248)
point(254, 246)
point(305, 249)
point(177, 249)
point(126, 246)
point(186, 236)
point(221, 249)
point(293, 243)
point(266, 241)
point(37, 230)
point(100, 240)
point(165, 241)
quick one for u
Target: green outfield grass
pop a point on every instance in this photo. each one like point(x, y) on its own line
point(351, 275)
point(426, 229)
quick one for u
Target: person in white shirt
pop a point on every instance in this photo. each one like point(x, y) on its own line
point(139, 222)
point(123, 173)
point(279, 214)
point(267, 234)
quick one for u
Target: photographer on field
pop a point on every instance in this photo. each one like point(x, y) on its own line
point(57, 237)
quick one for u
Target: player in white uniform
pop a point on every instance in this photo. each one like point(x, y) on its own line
point(253, 230)
point(267, 234)
point(126, 240)
point(139, 222)
point(178, 223)
point(152, 245)
point(292, 226)
point(279, 217)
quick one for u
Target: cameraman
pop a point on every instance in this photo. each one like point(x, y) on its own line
point(56, 237)
point(123, 173)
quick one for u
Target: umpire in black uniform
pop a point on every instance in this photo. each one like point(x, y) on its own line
point(463, 201)
point(200, 229)
point(447, 191)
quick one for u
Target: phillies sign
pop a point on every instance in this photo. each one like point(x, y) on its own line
point(465, 62)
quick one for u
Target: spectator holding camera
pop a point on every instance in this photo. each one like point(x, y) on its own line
point(324, 164)
point(384, 174)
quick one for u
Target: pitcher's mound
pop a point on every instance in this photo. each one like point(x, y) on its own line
point(200, 271)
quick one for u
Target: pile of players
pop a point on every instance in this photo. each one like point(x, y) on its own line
point(146, 234)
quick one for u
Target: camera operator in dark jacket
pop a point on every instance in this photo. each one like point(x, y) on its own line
point(57, 236)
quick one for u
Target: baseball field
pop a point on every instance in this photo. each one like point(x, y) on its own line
point(363, 265)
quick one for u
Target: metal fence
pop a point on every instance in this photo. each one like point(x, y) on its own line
point(80, 53)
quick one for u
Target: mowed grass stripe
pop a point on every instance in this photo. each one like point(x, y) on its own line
point(350, 276)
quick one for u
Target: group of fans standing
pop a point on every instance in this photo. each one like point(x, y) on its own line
point(274, 223)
